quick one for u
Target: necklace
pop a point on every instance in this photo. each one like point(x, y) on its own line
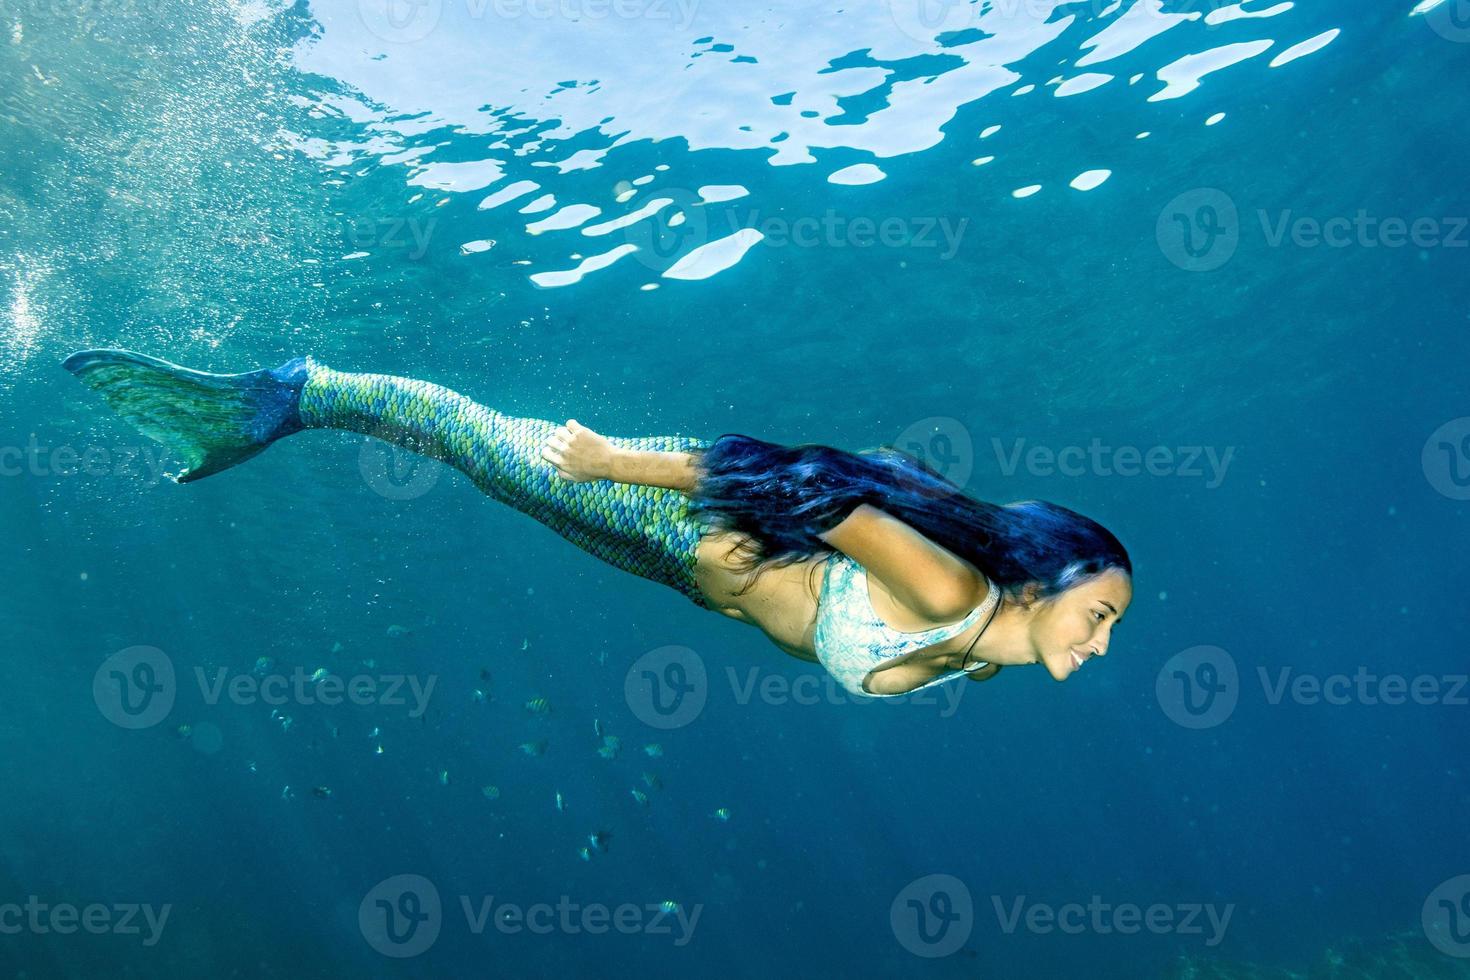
point(966, 658)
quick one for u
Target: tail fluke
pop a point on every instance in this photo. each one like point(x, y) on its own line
point(210, 421)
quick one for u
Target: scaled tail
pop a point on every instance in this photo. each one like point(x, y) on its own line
point(210, 421)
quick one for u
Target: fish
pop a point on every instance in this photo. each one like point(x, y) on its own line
point(538, 706)
point(535, 747)
point(723, 813)
point(639, 796)
point(490, 792)
point(263, 665)
point(478, 696)
point(443, 777)
point(585, 854)
point(322, 792)
point(319, 675)
point(653, 750)
point(652, 781)
point(598, 839)
point(560, 803)
point(396, 630)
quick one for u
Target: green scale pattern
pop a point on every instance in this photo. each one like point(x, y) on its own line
point(644, 530)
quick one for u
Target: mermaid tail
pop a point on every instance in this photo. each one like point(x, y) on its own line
point(214, 421)
point(210, 421)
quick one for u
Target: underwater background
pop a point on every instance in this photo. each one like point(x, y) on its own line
point(1197, 270)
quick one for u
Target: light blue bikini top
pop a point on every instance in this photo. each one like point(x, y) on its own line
point(851, 639)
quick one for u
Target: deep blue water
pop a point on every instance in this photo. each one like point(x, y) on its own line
point(229, 185)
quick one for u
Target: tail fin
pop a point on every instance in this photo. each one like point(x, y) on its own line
point(211, 421)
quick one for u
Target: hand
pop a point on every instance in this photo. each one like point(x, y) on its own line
point(578, 453)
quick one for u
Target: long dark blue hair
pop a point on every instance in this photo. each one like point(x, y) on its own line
point(782, 497)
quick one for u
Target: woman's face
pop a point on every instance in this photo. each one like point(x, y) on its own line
point(1078, 624)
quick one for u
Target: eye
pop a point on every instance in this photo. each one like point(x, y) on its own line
point(1100, 616)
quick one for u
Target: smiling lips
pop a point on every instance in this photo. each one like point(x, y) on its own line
point(1076, 660)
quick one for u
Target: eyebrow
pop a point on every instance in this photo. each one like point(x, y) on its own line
point(1114, 608)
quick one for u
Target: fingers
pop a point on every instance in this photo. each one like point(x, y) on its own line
point(559, 445)
point(555, 454)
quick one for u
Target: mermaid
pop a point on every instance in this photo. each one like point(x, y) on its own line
point(871, 563)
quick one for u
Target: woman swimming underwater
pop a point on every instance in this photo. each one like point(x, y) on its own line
point(868, 563)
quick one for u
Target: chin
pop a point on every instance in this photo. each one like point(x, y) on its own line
point(1060, 668)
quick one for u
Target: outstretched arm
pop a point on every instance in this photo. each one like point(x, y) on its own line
point(580, 455)
point(654, 469)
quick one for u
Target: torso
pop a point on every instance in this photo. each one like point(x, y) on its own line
point(783, 604)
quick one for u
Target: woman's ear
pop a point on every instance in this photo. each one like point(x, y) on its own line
point(1030, 594)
